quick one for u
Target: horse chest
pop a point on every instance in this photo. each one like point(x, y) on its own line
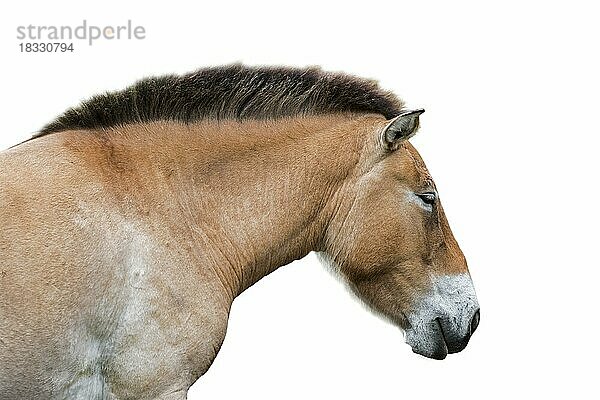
point(148, 318)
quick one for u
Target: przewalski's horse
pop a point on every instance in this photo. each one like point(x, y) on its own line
point(130, 223)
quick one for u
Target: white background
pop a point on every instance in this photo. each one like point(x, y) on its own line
point(510, 135)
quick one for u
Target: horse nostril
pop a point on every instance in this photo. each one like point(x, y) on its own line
point(475, 321)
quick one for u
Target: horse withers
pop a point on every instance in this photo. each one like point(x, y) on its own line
point(130, 224)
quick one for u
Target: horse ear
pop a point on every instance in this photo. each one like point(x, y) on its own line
point(401, 128)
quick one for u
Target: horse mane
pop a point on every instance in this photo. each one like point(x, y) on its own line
point(235, 92)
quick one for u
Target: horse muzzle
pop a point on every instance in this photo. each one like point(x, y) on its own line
point(444, 320)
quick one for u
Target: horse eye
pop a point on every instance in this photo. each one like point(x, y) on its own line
point(427, 198)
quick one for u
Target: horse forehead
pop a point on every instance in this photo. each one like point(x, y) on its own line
point(408, 162)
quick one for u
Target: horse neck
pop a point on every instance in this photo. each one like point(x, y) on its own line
point(257, 195)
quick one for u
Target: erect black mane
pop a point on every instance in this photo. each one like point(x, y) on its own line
point(230, 92)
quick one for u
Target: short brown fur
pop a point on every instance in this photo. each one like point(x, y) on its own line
point(132, 241)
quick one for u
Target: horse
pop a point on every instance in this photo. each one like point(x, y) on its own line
point(131, 222)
